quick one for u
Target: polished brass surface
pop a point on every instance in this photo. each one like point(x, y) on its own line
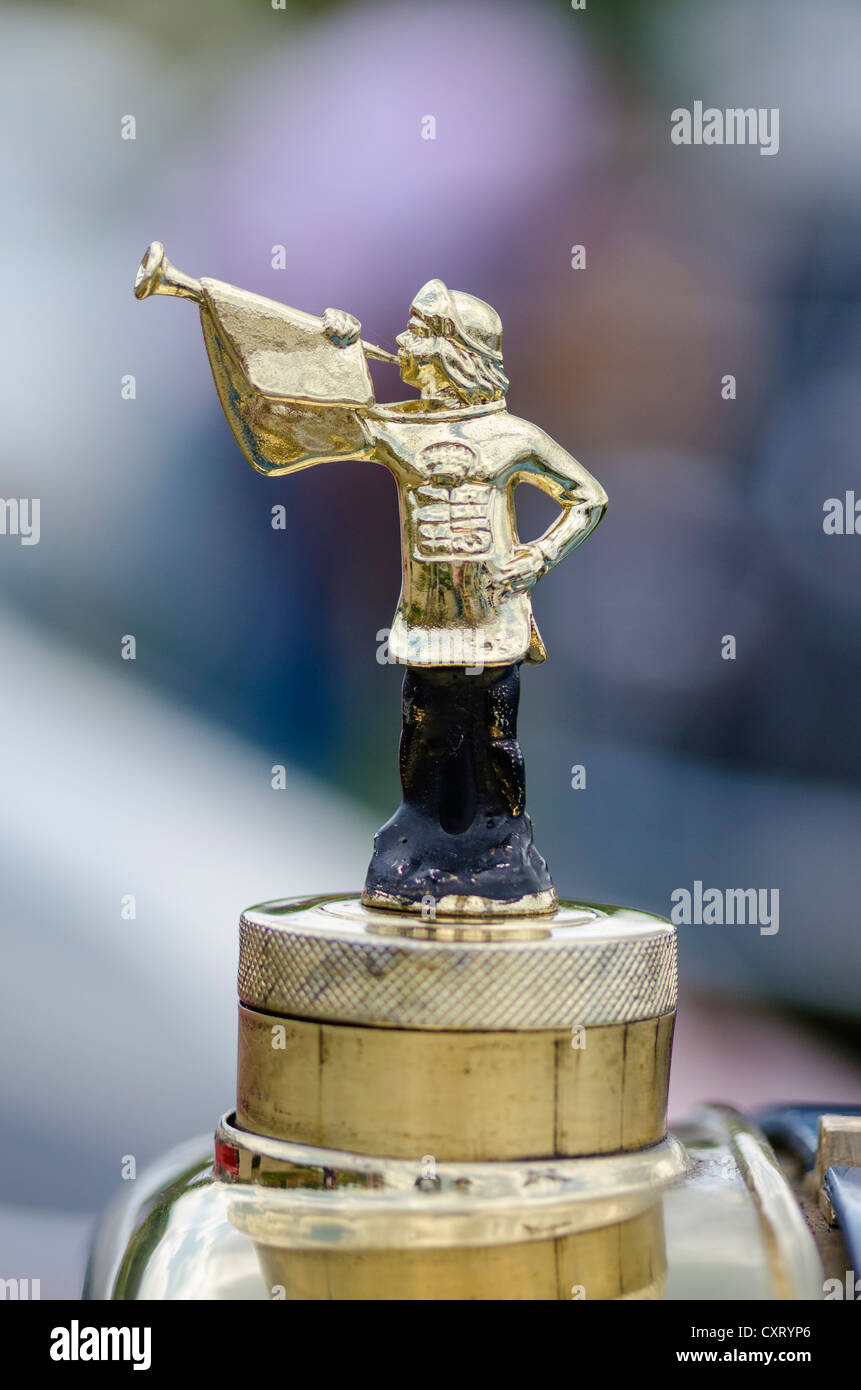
point(297, 392)
point(332, 959)
point(560, 1229)
point(454, 1095)
point(173, 1235)
point(349, 1200)
point(626, 1260)
point(542, 1037)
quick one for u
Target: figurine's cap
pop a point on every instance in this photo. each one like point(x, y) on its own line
point(462, 317)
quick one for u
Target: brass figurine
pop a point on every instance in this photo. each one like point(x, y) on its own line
point(297, 392)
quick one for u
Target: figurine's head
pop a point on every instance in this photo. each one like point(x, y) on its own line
point(452, 347)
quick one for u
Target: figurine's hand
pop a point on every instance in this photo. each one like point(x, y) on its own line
point(340, 327)
point(519, 573)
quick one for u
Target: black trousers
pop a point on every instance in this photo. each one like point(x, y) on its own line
point(462, 826)
point(459, 755)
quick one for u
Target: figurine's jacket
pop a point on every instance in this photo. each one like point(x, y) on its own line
point(456, 470)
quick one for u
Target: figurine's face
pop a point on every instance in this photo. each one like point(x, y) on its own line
point(418, 355)
point(434, 357)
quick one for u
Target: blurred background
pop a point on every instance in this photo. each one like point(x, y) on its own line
point(257, 127)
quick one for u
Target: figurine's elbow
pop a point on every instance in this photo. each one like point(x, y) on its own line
point(597, 504)
point(588, 498)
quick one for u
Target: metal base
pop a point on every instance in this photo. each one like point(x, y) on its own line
point(520, 1037)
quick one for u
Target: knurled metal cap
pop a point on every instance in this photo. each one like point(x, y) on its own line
point(331, 959)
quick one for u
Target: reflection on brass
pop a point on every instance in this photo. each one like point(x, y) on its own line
point(454, 1095)
point(371, 1200)
point(177, 1232)
point(331, 1224)
point(624, 1261)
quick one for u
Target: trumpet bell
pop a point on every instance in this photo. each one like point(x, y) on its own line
point(156, 275)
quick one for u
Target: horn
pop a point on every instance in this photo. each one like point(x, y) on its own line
point(156, 275)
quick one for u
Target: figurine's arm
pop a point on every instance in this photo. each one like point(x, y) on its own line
point(581, 497)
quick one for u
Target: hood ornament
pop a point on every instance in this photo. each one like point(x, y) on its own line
point(451, 1086)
